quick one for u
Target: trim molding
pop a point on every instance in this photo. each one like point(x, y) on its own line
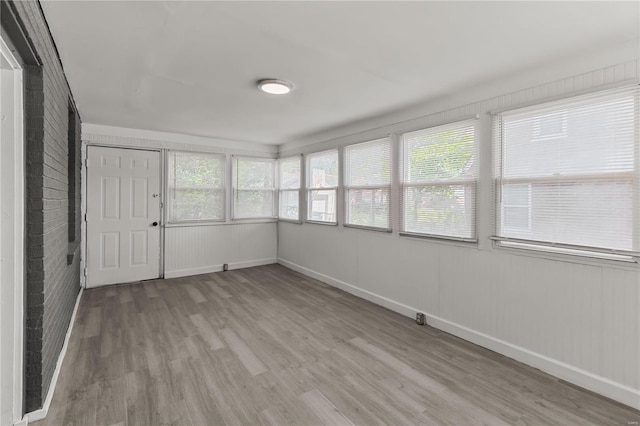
point(41, 413)
point(356, 291)
point(601, 385)
point(218, 268)
point(112, 135)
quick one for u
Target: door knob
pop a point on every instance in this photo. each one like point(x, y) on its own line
point(154, 224)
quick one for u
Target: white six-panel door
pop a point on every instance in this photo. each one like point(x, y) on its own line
point(123, 215)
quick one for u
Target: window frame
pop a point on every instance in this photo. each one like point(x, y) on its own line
point(309, 189)
point(373, 188)
point(235, 189)
point(222, 188)
point(473, 182)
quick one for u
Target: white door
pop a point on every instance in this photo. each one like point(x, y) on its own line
point(123, 215)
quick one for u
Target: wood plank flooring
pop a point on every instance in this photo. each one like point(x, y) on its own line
point(267, 345)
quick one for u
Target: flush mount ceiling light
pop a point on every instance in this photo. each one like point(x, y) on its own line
point(274, 86)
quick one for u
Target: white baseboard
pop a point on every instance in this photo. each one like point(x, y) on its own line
point(41, 413)
point(601, 385)
point(356, 291)
point(217, 268)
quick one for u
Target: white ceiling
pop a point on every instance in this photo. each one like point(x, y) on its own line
point(190, 67)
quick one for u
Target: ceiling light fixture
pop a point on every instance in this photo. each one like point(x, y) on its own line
point(274, 86)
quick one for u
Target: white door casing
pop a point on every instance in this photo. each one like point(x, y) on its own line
point(123, 215)
point(11, 238)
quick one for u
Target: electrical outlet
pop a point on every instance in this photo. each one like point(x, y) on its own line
point(421, 318)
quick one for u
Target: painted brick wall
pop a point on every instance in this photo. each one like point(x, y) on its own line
point(53, 262)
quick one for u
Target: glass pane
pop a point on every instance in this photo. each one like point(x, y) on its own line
point(196, 186)
point(323, 170)
point(590, 137)
point(196, 204)
point(446, 210)
point(289, 205)
point(253, 173)
point(253, 204)
point(516, 194)
point(369, 163)
point(368, 207)
point(290, 173)
point(440, 155)
point(516, 218)
point(189, 170)
point(322, 205)
point(577, 213)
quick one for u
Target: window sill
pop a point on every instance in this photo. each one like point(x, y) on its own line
point(567, 255)
point(368, 228)
point(254, 219)
point(442, 238)
point(296, 222)
point(218, 223)
point(314, 222)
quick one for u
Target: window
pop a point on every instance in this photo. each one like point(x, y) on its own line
point(289, 185)
point(196, 188)
point(439, 181)
point(368, 183)
point(322, 186)
point(253, 188)
point(577, 192)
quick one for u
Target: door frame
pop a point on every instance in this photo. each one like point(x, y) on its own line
point(83, 203)
point(16, 204)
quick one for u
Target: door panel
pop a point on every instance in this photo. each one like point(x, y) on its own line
point(123, 187)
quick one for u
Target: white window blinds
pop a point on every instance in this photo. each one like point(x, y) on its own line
point(440, 171)
point(368, 183)
point(254, 187)
point(568, 173)
point(289, 186)
point(196, 187)
point(322, 186)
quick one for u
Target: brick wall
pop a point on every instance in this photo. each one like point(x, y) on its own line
point(53, 261)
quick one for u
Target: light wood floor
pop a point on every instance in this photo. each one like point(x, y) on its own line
point(267, 345)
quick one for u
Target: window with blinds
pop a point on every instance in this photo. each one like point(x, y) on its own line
point(322, 186)
point(367, 177)
point(568, 173)
point(440, 173)
point(289, 187)
point(196, 187)
point(253, 188)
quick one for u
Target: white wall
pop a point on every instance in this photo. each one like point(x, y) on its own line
point(576, 318)
point(12, 201)
point(191, 249)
